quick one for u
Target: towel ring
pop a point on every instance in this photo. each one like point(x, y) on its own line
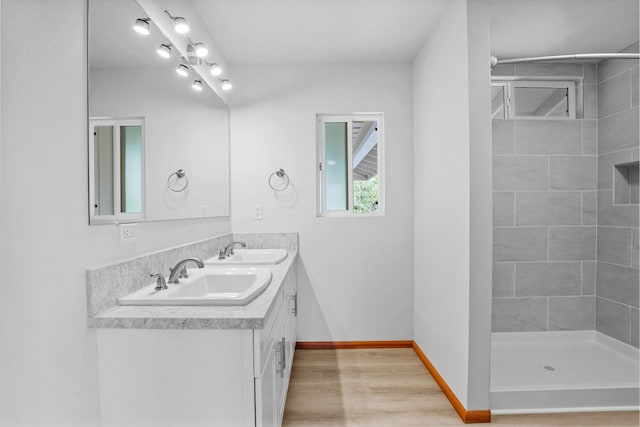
point(180, 174)
point(280, 173)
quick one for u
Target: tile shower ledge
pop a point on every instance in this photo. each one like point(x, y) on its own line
point(251, 316)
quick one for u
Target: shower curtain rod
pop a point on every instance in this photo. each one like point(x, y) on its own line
point(577, 56)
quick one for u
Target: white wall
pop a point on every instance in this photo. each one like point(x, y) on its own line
point(356, 274)
point(184, 129)
point(445, 96)
point(48, 366)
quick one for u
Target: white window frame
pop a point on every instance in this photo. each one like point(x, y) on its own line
point(510, 85)
point(321, 198)
point(118, 216)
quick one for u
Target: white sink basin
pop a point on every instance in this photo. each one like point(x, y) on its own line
point(206, 286)
point(251, 256)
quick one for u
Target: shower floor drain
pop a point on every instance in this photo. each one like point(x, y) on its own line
point(549, 368)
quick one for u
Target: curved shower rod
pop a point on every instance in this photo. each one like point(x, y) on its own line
point(575, 57)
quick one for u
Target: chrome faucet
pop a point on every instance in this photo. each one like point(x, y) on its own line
point(180, 270)
point(228, 250)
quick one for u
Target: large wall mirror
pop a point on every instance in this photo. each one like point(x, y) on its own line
point(158, 149)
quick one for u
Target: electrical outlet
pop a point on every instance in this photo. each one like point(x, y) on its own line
point(257, 214)
point(128, 232)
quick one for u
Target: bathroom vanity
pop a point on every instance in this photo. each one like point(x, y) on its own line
point(196, 365)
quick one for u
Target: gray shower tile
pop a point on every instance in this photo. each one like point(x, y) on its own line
point(548, 208)
point(590, 73)
point(634, 328)
point(589, 137)
point(634, 249)
point(519, 314)
point(617, 283)
point(613, 319)
point(634, 87)
point(572, 313)
point(554, 70)
point(589, 207)
point(572, 243)
point(537, 279)
point(520, 243)
point(502, 135)
point(520, 173)
point(614, 245)
point(503, 276)
point(588, 278)
point(503, 208)
point(614, 95)
point(618, 132)
point(615, 215)
point(632, 48)
point(612, 67)
point(590, 102)
point(548, 136)
point(579, 101)
point(573, 172)
point(504, 70)
point(606, 164)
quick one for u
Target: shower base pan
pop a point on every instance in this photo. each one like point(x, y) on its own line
point(563, 371)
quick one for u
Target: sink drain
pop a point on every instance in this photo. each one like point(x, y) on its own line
point(549, 368)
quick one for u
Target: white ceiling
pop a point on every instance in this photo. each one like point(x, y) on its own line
point(366, 31)
point(523, 28)
point(319, 31)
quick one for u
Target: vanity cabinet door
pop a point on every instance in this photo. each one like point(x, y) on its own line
point(282, 365)
point(266, 408)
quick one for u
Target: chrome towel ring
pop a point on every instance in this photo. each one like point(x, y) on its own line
point(283, 178)
point(180, 183)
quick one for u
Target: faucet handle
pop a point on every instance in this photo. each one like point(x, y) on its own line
point(183, 273)
point(221, 253)
point(161, 284)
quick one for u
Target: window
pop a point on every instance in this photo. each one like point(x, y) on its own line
point(115, 170)
point(533, 99)
point(350, 167)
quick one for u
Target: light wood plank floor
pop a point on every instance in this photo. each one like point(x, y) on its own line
point(391, 387)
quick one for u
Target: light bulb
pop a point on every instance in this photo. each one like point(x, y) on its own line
point(180, 25)
point(183, 70)
point(141, 26)
point(226, 85)
point(201, 50)
point(197, 85)
point(164, 50)
point(215, 70)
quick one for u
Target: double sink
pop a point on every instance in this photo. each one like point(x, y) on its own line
point(230, 281)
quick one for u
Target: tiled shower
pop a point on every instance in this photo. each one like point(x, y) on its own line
point(565, 196)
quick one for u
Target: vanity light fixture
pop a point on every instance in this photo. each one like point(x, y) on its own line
point(197, 85)
point(183, 70)
point(226, 84)
point(201, 50)
point(164, 50)
point(142, 26)
point(179, 23)
point(214, 69)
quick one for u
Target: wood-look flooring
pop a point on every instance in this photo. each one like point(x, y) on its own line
point(391, 387)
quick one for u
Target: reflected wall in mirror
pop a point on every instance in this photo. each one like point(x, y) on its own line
point(145, 123)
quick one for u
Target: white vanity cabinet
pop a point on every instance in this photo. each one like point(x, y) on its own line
point(275, 358)
point(199, 377)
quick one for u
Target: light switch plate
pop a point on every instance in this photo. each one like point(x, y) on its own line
point(257, 215)
point(128, 232)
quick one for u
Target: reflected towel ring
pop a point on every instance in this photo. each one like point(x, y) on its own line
point(280, 173)
point(179, 174)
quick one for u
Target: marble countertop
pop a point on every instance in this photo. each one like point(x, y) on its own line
point(250, 316)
